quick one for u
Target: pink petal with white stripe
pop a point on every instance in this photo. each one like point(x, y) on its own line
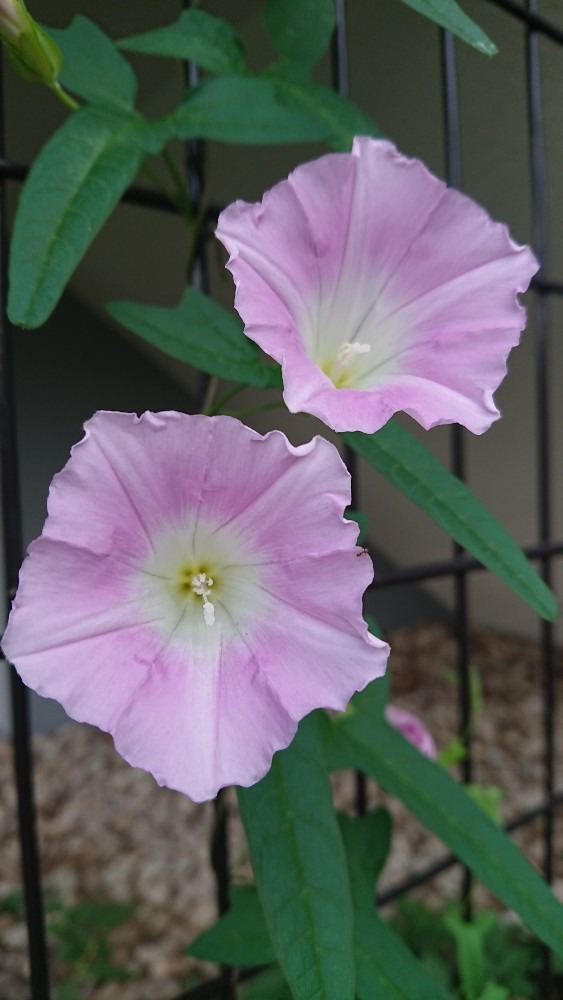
point(195, 592)
point(378, 289)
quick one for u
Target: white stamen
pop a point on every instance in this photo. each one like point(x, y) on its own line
point(345, 355)
point(208, 613)
point(201, 586)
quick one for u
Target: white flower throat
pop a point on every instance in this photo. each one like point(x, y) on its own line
point(201, 585)
point(345, 357)
point(199, 574)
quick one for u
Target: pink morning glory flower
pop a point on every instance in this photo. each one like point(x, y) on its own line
point(412, 729)
point(195, 592)
point(378, 289)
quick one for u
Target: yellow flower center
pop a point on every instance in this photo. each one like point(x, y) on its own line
point(340, 368)
point(198, 581)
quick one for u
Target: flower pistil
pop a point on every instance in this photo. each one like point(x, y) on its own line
point(339, 369)
point(201, 585)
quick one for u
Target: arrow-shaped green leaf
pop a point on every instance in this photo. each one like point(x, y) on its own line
point(201, 333)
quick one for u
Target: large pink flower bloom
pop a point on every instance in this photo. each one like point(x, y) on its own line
point(196, 591)
point(378, 289)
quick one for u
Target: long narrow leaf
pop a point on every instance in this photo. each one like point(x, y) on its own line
point(385, 968)
point(448, 14)
point(407, 464)
point(358, 740)
point(200, 333)
point(73, 186)
point(300, 870)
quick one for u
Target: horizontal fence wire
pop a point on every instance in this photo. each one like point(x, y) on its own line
point(456, 568)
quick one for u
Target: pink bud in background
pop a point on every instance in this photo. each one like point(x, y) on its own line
point(412, 729)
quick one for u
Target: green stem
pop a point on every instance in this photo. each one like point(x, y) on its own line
point(196, 229)
point(153, 176)
point(212, 411)
point(246, 412)
point(212, 386)
point(63, 96)
point(193, 221)
point(183, 200)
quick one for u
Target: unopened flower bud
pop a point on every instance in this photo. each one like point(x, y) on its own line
point(32, 53)
point(12, 20)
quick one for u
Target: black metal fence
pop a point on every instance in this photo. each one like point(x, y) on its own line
point(457, 568)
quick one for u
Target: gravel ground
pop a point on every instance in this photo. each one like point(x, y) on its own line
point(109, 833)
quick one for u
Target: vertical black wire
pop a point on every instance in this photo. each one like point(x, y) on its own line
point(339, 74)
point(543, 403)
point(454, 178)
point(541, 248)
point(19, 695)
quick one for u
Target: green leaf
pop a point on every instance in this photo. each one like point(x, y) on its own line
point(200, 37)
point(336, 116)
point(300, 870)
point(240, 937)
point(448, 14)
point(242, 109)
point(385, 968)
point(300, 30)
point(361, 519)
point(443, 806)
point(68, 991)
point(367, 841)
point(493, 991)
point(469, 937)
point(407, 464)
point(92, 66)
point(452, 753)
point(201, 333)
point(268, 985)
point(489, 798)
point(72, 188)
